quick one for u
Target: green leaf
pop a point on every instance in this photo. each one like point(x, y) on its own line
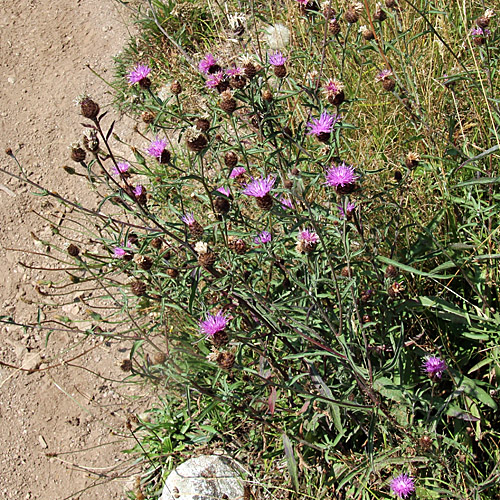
point(412, 270)
point(290, 461)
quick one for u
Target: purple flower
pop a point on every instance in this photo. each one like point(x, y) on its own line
point(213, 324)
point(277, 59)
point(324, 124)
point(341, 175)
point(157, 147)
point(215, 80)
point(263, 238)
point(303, 2)
point(206, 63)
point(402, 485)
point(333, 87)
point(120, 168)
point(309, 237)
point(235, 71)
point(236, 172)
point(139, 73)
point(349, 209)
point(259, 187)
point(434, 366)
point(139, 190)
point(224, 190)
point(286, 202)
point(188, 219)
point(383, 75)
point(119, 252)
point(477, 32)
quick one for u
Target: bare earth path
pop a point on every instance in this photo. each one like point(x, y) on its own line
point(61, 430)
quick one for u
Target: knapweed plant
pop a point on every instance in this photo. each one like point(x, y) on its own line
point(306, 246)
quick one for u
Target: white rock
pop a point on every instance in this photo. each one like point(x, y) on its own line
point(204, 478)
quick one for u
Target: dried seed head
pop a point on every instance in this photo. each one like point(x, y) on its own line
point(389, 84)
point(176, 87)
point(288, 184)
point(237, 245)
point(126, 365)
point(89, 108)
point(425, 443)
point(412, 160)
point(90, 140)
point(138, 288)
point(202, 123)
point(391, 271)
point(228, 103)
point(280, 71)
point(237, 81)
point(334, 27)
point(395, 290)
point(226, 360)
point(148, 117)
point(353, 12)
point(231, 159)
point(159, 358)
point(484, 20)
point(207, 259)
point(390, 4)
point(250, 69)
point(398, 176)
point(77, 154)
point(366, 33)
point(73, 250)
point(157, 243)
point(346, 272)
point(379, 14)
point(143, 261)
point(173, 273)
point(195, 139)
point(267, 95)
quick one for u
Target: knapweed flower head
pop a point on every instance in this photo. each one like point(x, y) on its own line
point(224, 190)
point(349, 209)
point(157, 147)
point(119, 252)
point(213, 324)
point(263, 238)
point(303, 2)
point(333, 87)
point(138, 74)
point(237, 172)
point(206, 63)
point(215, 80)
point(188, 219)
point(277, 59)
point(286, 203)
point(139, 190)
point(341, 175)
point(323, 125)
point(480, 32)
point(120, 168)
point(235, 71)
point(306, 241)
point(403, 485)
point(434, 366)
point(277, 36)
point(383, 75)
point(259, 188)
point(308, 236)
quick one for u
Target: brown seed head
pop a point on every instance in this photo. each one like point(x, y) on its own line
point(138, 288)
point(412, 159)
point(73, 250)
point(226, 360)
point(203, 124)
point(143, 261)
point(231, 159)
point(148, 117)
point(346, 272)
point(265, 202)
point(173, 273)
point(89, 108)
point(176, 87)
point(237, 245)
point(157, 243)
point(280, 71)
point(126, 365)
point(220, 338)
point(391, 271)
point(77, 153)
point(222, 205)
point(267, 95)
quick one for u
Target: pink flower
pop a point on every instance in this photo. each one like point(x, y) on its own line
point(235, 71)
point(333, 87)
point(213, 324)
point(277, 59)
point(215, 80)
point(119, 252)
point(259, 187)
point(307, 236)
point(139, 190)
point(341, 175)
point(349, 209)
point(207, 64)
point(384, 74)
point(434, 366)
point(263, 238)
point(157, 147)
point(236, 172)
point(138, 74)
point(120, 168)
point(286, 202)
point(402, 485)
point(224, 190)
point(188, 219)
point(324, 124)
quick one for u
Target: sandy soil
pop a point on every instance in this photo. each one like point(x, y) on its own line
point(61, 430)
